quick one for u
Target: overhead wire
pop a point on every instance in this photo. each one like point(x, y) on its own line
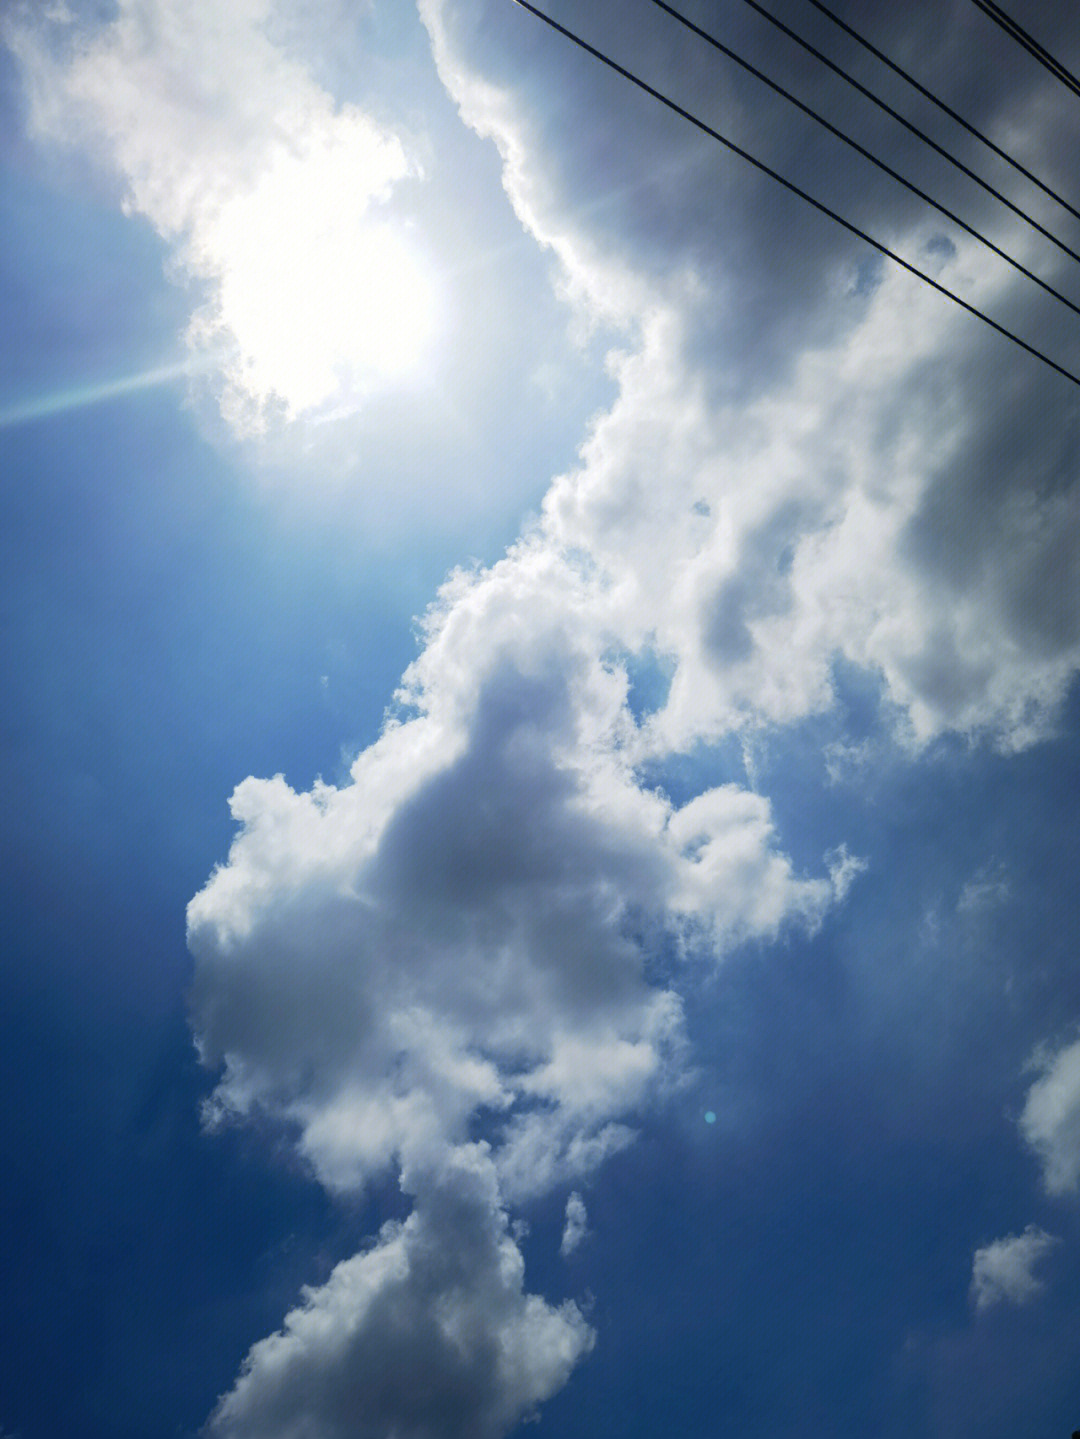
point(946, 109)
point(790, 185)
point(1030, 44)
point(779, 89)
point(909, 125)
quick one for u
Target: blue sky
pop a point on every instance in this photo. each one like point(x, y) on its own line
point(540, 735)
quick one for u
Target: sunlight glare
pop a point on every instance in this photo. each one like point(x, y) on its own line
point(323, 300)
point(97, 392)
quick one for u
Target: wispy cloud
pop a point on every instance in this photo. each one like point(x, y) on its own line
point(1003, 1272)
point(576, 1228)
point(1050, 1120)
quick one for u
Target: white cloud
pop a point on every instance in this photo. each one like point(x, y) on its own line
point(1050, 1121)
point(465, 925)
point(576, 1227)
point(460, 935)
point(428, 1335)
point(1002, 1271)
point(870, 499)
point(751, 547)
point(985, 891)
point(272, 196)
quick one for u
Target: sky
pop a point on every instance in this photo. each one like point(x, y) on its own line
point(540, 733)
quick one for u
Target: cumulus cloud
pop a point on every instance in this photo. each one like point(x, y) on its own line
point(466, 924)
point(750, 547)
point(427, 1335)
point(271, 195)
point(757, 518)
point(459, 941)
point(576, 1227)
point(1002, 1271)
point(1050, 1121)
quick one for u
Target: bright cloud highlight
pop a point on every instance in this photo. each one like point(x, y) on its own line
point(273, 197)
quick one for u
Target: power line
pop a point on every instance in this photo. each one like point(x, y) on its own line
point(790, 185)
point(908, 125)
point(947, 109)
point(1030, 44)
point(867, 154)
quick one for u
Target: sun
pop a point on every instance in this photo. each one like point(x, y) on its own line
point(318, 291)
